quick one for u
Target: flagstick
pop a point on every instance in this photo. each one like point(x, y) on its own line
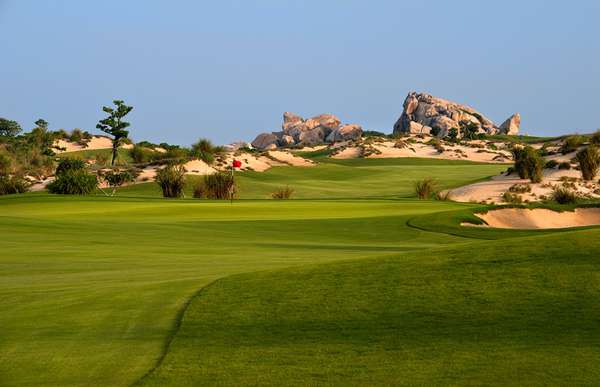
point(232, 183)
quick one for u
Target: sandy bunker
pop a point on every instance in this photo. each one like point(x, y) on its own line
point(539, 218)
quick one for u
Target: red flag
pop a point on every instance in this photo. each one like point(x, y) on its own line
point(237, 163)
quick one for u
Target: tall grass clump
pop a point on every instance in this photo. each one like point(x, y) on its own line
point(595, 139)
point(528, 163)
point(171, 180)
point(425, 188)
point(589, 162)
point(563, 195)
point(571, 143)
point(205, 150)
point(220, 185)
point(282, 193)
point(72, 178)
point(12, 185)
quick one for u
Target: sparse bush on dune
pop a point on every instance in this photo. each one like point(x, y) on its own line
point(589, 162)
point(425, 188)
point(551, 164)
point(528, 163)
point(283, 193)
point(565, 165)
point(595, 139)
point(115, 178)
point(219, 185)
point(140, 154)
point(171, 180)
point(72, 178)
point(571, 143)
point(205, 150)
point(512, 198)
point(563, 195)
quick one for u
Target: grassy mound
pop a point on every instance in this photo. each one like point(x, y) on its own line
point(480, 314)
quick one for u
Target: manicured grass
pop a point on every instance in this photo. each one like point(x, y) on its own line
point(521, 311)
point(92, 288)
point(352, 178)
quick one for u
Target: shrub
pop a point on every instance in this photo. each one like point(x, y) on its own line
point(424, 188)
point(282, 193)
point(70, 164)
point(564, 165)
point(589, 161)
point(205, 150)
point(219, 185)
point(12, 185)
point(116, 178)
point(435, 131)
point(171, 180)
point(571, 143)
point(437, 144)
point(563, 195)
point(73, 182)
point(102, 158)
point(139, 154)
point(6, 164)
point(520, 188)
point(528, 163)
point(551, 164)
point(595, 139)
point(512, 198)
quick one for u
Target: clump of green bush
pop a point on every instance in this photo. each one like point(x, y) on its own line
point(12, 185)
point(562, 195)
point(72, 178)
point(571, 143)
point(220, 185)
point(565, 165)
point(115, 178)
point(512, 198)
point(283, 193)
point(589, 162)
point(171, 180)
point(528, 163)
point(425, 188)
point(551, 164)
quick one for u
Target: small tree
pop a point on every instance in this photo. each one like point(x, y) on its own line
point(528, 163)
point(115, 126)
point(589, 162)
point(469, 130)
point(453, 134)
point(9, 128)
point(115, 178)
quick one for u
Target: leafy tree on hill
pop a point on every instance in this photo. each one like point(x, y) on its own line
point(115, 126)
point(469, 130)
point(9, 128)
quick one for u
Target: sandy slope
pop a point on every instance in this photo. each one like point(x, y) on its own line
point(290, 159)
point(97, 142)
point(492, 190)
point(539, 218)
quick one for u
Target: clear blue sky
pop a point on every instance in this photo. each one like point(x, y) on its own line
point(227, 70)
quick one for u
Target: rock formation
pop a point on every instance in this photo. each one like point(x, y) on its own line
point(324, 128)
point(426, 114)
point(511, 125)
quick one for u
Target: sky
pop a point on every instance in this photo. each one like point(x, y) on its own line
point(227, 70)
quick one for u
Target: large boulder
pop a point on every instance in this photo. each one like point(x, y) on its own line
point(290, 120)
point(312, 137)
point(344, 133)
point(265, 141)
point(511, 125)
point(423, 113)
point(327, 121)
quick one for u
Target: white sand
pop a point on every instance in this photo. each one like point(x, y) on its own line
point(492, 190)
point(198, 167)
point(290, 159)
point(539, 218)
point(420, 149)
point(96, 142)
